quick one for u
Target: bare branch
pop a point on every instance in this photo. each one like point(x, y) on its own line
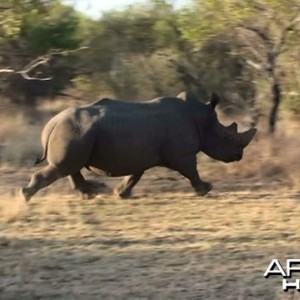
point(253, 64)
point(27, 77)
point(260, 33)
point(33, 65)
point(7, 71)
point(278, 48)
point(66, 52)
point(41, 60)
point(25, 71)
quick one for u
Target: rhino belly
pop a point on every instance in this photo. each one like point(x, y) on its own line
point(122, 161)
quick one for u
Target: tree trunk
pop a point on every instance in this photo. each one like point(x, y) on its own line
point(276, 90)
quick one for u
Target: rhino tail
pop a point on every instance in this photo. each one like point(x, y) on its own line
point(44, 155)
point(40, 159)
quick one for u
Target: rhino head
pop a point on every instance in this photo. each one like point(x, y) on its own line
point(220, 142)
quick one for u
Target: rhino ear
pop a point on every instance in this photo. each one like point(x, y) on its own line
point(214, 100)
point(188, 96)
point(182, 95)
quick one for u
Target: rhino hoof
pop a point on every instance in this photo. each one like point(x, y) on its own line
point(123, 194)
point(88, 196)
point(204, 188)
point(24, 192)
point(92, 189)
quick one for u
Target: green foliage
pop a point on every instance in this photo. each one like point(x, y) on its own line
point(124, 46)
point(13, 11)
point(10, 25)
point(291, 81)
point(54, 29)
point(225, 72)
point(40, 27)
point(209, 18)
point(292, 102)
point(151, 49)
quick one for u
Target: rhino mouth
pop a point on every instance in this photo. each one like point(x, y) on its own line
point(236, 157)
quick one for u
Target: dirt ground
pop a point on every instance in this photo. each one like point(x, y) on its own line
point(165, 243)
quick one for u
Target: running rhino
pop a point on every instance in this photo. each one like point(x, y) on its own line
point(121, 138)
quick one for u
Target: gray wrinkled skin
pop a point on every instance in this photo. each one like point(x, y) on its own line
point(120, 138)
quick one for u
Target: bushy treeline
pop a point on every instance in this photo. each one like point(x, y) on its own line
point(247, 51)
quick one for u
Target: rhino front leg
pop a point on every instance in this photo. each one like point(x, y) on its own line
point(88, 189)
point(187, 166)
point(127, 184)
point(39, 180)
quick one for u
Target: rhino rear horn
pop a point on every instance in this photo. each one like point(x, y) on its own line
point(247, 136)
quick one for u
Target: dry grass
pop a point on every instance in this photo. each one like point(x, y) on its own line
point(19, 139)
point(271, 158)
point(163, 244)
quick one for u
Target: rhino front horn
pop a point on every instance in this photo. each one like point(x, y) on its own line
point(247, 136)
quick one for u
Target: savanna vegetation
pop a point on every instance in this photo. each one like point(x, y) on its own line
point(248, 52)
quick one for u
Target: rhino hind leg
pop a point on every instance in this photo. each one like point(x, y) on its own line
point(39, 180)
point(187, 166)
point(88, 189)
point(127, 184)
